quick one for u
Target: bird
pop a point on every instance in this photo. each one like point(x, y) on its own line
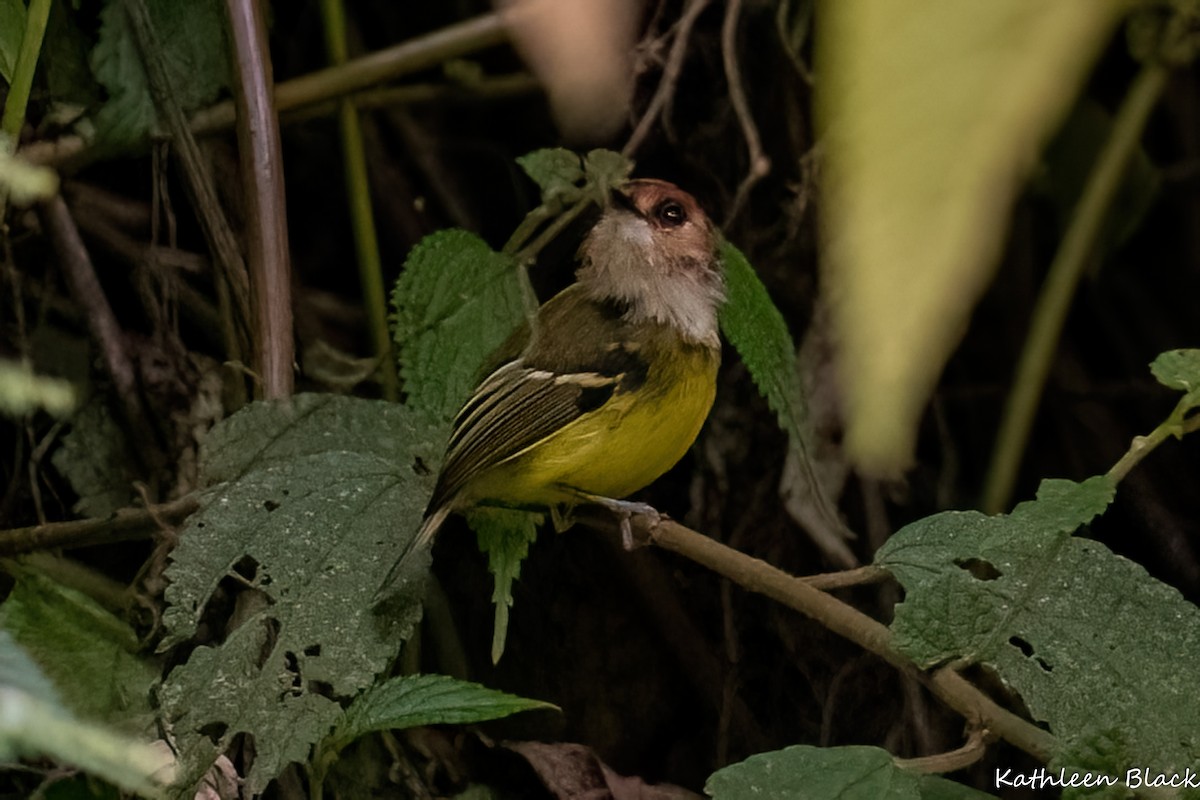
point(610, 383)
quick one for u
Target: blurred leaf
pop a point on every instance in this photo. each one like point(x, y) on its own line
point(88, 653)
point(1088, 639)
point(932, 114)
point(69, 79)
point(95, 458)
point(22, 392)
point(193, 44)
point(557, 172)
point(753, 325)
point(34, 724)
point(830, 773)
point(412, 700)
point(505, 535)
point(1068, 163)
point(312, 502)
point(12, 31)
point(456, 302)
point(23, 182)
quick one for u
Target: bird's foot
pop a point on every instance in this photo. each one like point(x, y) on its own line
point(626, 511)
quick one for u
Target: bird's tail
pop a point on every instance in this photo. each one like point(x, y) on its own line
point(422, 541)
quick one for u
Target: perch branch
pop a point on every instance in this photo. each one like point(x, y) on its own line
point(122, 525)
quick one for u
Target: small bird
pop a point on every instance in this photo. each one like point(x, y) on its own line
point(610, 385)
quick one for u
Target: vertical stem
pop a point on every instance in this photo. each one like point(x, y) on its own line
point(262, 176)
point(1061, 281)
point(362, 218)
point(22, 80)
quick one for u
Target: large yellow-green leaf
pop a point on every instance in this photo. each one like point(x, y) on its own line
point(933, 113)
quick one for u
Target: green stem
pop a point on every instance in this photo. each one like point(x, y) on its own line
point(22, 81)
point(1175, 425)
point(1061, 282)
point(362, 218)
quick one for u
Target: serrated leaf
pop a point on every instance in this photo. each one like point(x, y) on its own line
point(505, 535)
point(752, 324)
point(1179, 369)
point(557, 172)
point(1088, 639)
point(412, 700)
point(313, 500)
point(456, 302)
point(833, 773)
point(34, 724)
point(916, 188)
point(191, 37)
point(21, 391)
point(606, 169)
point(89, 654)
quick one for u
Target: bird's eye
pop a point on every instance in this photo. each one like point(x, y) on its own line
point(671, 213)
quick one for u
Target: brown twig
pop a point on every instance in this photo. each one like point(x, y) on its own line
point(262, 181)
point(670, 76)
point(231, 278)
point(859, 576)
point(960, 758)
point(844, 620)
point(125, 524)
point(760, 165)
point(102, 324)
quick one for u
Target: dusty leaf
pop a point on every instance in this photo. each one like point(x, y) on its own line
point(311, 502)
point(1088, 639)
point(932, 115)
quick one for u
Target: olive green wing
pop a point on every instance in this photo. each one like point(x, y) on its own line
point(556, 381)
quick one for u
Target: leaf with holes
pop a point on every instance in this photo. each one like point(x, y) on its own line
point(1089, 640)
point(310, 503)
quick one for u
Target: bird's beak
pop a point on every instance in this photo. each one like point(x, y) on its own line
point(619, 199)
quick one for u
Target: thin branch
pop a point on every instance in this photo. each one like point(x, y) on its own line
point(405, 58)
point(102, 324)
point(846, 621)
point(961, 758)
point(859, 576)
point(362, 214)
point(266, 209)
point(1072, 257)
point(760, 165)
point(232, 278)
point(670, 76)
point(123, 525)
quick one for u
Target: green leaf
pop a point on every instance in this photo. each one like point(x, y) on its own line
point(754, 327)
point(312, 502)
point(22, 392)
point(34, 724)
point(606, 169)
point(12, 31)
point(412, 700)
point(917, 189)
point(95, 458)
point(89, 654)
point(505, 535)
point(1089, 640)
point(192, 43)
point(834, 773)
point(1179, 369)
point(456, 302)
point(557, 172)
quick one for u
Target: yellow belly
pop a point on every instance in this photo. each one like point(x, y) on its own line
point(621, 447)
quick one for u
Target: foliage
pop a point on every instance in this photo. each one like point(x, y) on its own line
point(843, 773)
point(191, 37)
point(35, 723)
point(915, 182)
point(22, 392)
